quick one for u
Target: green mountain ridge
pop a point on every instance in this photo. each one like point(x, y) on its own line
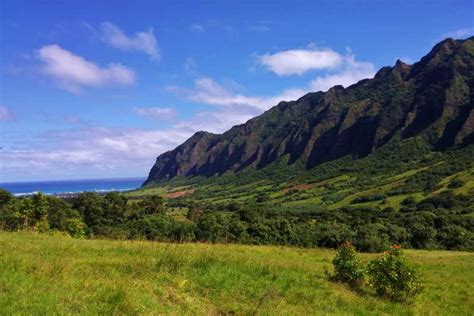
point(431, 100)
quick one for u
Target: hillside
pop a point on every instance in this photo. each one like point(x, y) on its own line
point(401, 170)
point(41, 274)
point(432, 100)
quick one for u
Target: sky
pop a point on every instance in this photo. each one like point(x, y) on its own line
point(98, 89)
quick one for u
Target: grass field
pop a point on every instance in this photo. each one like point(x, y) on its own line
point(42, 274)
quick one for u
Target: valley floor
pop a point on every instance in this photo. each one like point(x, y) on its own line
point(43, 274)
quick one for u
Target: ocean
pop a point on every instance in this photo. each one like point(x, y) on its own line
point(72, 186)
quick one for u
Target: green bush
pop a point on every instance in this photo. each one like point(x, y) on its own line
point(347, 266)
point(455, 183)
point(368, 198)
point(42, 226)
point(392, 277)
point(75, 227)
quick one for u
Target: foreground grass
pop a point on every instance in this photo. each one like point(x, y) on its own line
point(41, 274)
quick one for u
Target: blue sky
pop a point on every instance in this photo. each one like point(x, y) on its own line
point(97, 89)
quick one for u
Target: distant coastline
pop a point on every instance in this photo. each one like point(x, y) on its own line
point(69, 188)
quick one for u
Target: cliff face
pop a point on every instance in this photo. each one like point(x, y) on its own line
point(432, 98)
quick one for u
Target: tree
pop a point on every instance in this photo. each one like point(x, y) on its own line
point(90, 207)
point(40, 206)
point(152, 227)
point(183, 231)
point(115, 205)
point(60, 212)
point(153, 204)
point(5, 198)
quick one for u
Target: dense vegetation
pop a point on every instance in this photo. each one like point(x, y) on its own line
point(54, 275)
point(434, 209)
point(404, 193)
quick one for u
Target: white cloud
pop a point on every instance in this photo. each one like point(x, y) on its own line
point(156, 112)
point(141, 41)
point(210, 92)
point(351, 72)
point(89, 151)
point(217, 121)
point(6, 114)
point(299, 61)
point(460, 33)
point(197, 28)
point(73, 72)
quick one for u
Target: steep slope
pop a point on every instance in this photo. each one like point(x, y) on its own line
point(432, 98)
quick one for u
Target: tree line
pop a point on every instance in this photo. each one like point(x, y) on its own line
point(441, 222)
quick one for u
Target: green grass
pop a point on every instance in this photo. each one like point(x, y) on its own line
point(42, 274)
point(147, 191)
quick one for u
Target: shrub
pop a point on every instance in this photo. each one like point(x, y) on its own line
point(455, 183)
point(75, 227)
point(42, 226)
point(347, 267)
point(409, 201)
point(392, 277)
point(368, 198)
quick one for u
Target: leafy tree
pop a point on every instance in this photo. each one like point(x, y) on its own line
point(59, 212)
point(153, 204)
point(115, 207)
point(372, 238)
point(5, 198)
point(183, 231)
point(330, 235)
point(152, 227)
point(90, 207)
point(41, 207)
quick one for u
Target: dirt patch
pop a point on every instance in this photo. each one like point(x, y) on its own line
point(298, 187)
point(173, 195)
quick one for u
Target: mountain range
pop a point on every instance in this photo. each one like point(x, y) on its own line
point(431, 99)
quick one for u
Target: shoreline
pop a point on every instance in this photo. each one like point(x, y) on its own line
point(73, 194)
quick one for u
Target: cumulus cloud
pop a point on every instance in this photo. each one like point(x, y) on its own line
point(142, 41)
point(156, 112)
point(72, 72)
point(5, 114)
point(351, 72)
point(207, 90)
point(299, 61)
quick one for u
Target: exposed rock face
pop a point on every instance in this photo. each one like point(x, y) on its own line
point(432, 98)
